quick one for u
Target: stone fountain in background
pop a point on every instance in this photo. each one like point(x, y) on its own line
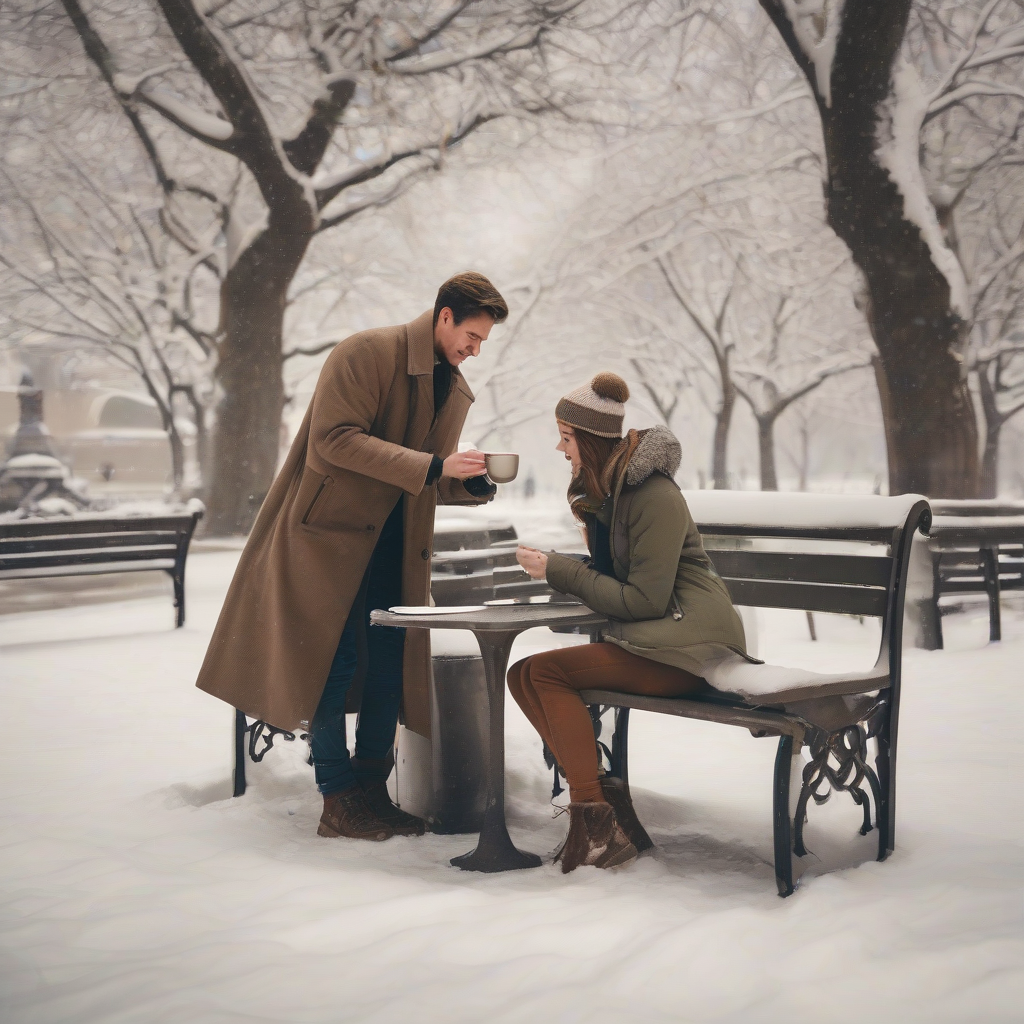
point(33, 479)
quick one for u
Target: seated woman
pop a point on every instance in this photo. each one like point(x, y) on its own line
point(670, 613)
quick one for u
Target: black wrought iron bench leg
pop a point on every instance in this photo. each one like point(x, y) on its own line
point(782, 817)
point(179, 600)
point(886, 811)
point(990, 561)
point(933, 628)
point(241, 731)
point(620, 747)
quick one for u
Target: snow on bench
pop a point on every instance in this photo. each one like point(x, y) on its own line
point(778, 684)
point(801, 512)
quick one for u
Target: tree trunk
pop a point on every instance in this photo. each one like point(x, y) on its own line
point(723, 420)
point(805, 454)
point(766, 450)
point(246, 435)
point(931, 433)
point(202, 440)
point(989, 481)
point(177, 459)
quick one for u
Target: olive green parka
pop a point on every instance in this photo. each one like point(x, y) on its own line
point(665, 601)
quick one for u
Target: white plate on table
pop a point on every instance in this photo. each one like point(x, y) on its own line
point(433, 609)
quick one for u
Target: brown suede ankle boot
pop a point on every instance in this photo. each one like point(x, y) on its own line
point(595, 838)
point(400, 822)
point(348, 814)
point(618, 796)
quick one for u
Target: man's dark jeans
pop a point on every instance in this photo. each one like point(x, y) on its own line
point(382, 688)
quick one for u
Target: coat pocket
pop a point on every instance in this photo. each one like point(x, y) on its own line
point(320, 486)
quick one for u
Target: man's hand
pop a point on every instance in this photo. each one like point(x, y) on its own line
point(533, 561)
point(463, 465)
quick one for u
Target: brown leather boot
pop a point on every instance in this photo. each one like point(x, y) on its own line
point(400, 822)
point(348, 814)
point(618, 796)
point(595, 838)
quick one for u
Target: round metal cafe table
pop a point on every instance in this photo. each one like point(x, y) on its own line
point(495, 629)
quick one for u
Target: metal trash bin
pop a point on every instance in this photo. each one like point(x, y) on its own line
point(442, 779)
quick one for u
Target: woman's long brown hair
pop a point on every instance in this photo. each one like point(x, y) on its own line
point(601, 460)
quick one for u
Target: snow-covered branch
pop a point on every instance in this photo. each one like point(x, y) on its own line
point(771, 400)
point(426, 64)
point(969, 89)
point(410, 169)
point(816, 25)
point(204, 127)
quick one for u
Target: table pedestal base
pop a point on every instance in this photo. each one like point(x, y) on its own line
point(495, 851)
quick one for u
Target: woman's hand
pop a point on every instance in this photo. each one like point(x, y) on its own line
point(533, 561)
point(463, 465)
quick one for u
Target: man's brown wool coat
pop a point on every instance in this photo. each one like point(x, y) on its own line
point(366, 438)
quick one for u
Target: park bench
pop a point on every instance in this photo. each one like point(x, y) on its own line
point(815, 553)
point(976, 547)
point(96, 544)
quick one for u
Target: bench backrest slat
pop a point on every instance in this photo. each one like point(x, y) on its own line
point(76, 542)
point(866, 534)
point(20, 529)
point(824, 567)
point(93, 557)
point(461, 563)
point(815, 597)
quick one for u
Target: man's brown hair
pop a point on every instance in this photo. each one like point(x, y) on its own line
point(470, 294)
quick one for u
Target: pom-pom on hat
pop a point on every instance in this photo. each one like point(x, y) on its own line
point(598, 407)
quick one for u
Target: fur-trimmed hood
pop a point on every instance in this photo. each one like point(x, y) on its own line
point(659, 451)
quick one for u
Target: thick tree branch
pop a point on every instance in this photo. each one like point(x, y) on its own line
point(431, 32)
point(97, 51)
point(205, 128)
point(359, 176)
point(310, 350)
point(254, 142)
point(307, 149)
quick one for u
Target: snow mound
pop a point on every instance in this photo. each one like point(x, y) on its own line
point(756, 682)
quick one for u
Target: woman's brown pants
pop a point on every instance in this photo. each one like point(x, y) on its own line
point(546, 686)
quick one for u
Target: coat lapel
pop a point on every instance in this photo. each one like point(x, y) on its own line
point(445, 435)
point(420, 367)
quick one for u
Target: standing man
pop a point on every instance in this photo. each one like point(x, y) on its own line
point(346, 527)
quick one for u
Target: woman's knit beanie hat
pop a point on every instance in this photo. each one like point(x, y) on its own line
point(598, 407)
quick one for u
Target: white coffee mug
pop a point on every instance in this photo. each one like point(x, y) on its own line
point(502, 467)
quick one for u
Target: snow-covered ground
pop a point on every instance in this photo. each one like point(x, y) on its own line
point(133, 888)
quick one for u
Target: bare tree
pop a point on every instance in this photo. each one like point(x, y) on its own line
point(99, 272)
point(768, 402)
point(711, 323)
point(997, 351)
point(389, 89)
point(1001, 385)
point(873, 104)
point(764, 390)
